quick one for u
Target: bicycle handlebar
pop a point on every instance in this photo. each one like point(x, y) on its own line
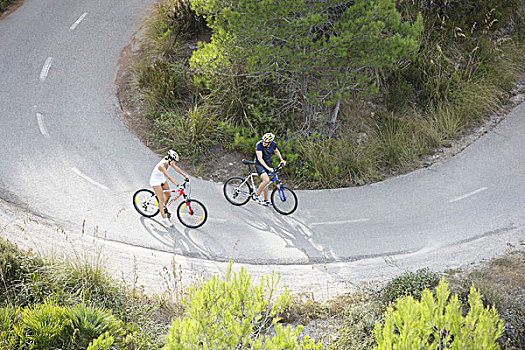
point(279, 167)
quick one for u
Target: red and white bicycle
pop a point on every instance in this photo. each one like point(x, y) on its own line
point(191, 212)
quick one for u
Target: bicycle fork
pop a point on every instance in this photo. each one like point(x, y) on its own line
point(187, 200)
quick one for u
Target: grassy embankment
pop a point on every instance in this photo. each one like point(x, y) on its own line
point(469, 58)
point(49, 303)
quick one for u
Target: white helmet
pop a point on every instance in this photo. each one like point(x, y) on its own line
point(173, 155)
point(268, 137)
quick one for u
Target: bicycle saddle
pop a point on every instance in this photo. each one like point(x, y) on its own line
point(247, 162)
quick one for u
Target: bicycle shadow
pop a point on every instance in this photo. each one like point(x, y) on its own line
point(289, 235)
point(175, 240)
point(165, 236)
point(292, 232)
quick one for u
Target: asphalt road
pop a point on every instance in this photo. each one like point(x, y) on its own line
point(66, 155)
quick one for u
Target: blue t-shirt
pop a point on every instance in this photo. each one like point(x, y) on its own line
point(266, 152)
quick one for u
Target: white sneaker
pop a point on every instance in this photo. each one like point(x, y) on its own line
point(167, 222)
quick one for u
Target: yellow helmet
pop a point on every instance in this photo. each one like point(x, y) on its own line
point(173, 155)
point(268, 137)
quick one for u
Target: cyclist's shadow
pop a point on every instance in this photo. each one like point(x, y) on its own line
point(173, 239)
point(293, 232)
point(165, 236)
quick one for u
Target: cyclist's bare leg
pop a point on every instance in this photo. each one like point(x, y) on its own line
point(264, 184)
point(167, 195)
point(160, 197)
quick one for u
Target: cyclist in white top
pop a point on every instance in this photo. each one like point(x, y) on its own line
point(159, 183)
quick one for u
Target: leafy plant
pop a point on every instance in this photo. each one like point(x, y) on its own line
point(235, 314)
point(4, 5)
point(410, 283)
point(438, 323)
point(8, 320)
point(193, 133)
point(280, 42)
point(104, 342)
point(88, 323)
point(43, 326)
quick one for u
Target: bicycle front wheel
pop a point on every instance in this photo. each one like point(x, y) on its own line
point(284, 200)
point(192, 213)
point(145, 202)
point(237, 190)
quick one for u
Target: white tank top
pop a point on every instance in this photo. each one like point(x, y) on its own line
point(157, 177)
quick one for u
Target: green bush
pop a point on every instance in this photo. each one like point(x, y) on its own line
point(50, 326)
point(42, 327)
point(88, 323)
point(104, 342)
point(438, 323)
point(4, 5)
point(191, 134)
point(357, 331)
point(164, 85)
point(235, 314)
point(410, 283)
point(17, 272)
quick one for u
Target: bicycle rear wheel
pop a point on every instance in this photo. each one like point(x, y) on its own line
point(284, 200)
point(145, 202)
point(192, 213)
point(237, 190)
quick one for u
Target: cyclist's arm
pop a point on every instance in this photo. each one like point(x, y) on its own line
point(278, 154)
point(261, 160)
point(177, 169)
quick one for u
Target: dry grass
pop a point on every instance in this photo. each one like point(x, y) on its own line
point(501, 281)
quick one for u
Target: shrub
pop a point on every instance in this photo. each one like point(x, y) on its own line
point(194, 133)
point(358, 328)
point(164, 85)
point(8, 317)
point(50, 326)
point(88, 323)
point(4, 5)
point(17, 270)
point(438, 323)
point(104, 342)
point(410, 283)
point(43, 327)
point(235, 314)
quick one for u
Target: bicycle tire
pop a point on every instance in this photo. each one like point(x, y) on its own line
point(195, 220)
point(237, 190)
point(146, 203)
point(286, 204)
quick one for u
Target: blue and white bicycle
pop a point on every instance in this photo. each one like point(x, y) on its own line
point(238, 190)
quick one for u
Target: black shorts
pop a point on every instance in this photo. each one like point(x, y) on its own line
point(260, 169)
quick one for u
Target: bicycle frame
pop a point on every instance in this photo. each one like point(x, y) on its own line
point(273, 178)
point(181, 193)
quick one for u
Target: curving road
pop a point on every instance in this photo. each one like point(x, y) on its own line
point(67, 155)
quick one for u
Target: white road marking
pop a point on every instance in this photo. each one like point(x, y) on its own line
point(41, 125)
point(76, 171)
point(468, 195)
point(74, 25)
point(45, 68)
point(339, 222)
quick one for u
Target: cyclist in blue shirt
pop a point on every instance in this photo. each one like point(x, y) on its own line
point(263, 154)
